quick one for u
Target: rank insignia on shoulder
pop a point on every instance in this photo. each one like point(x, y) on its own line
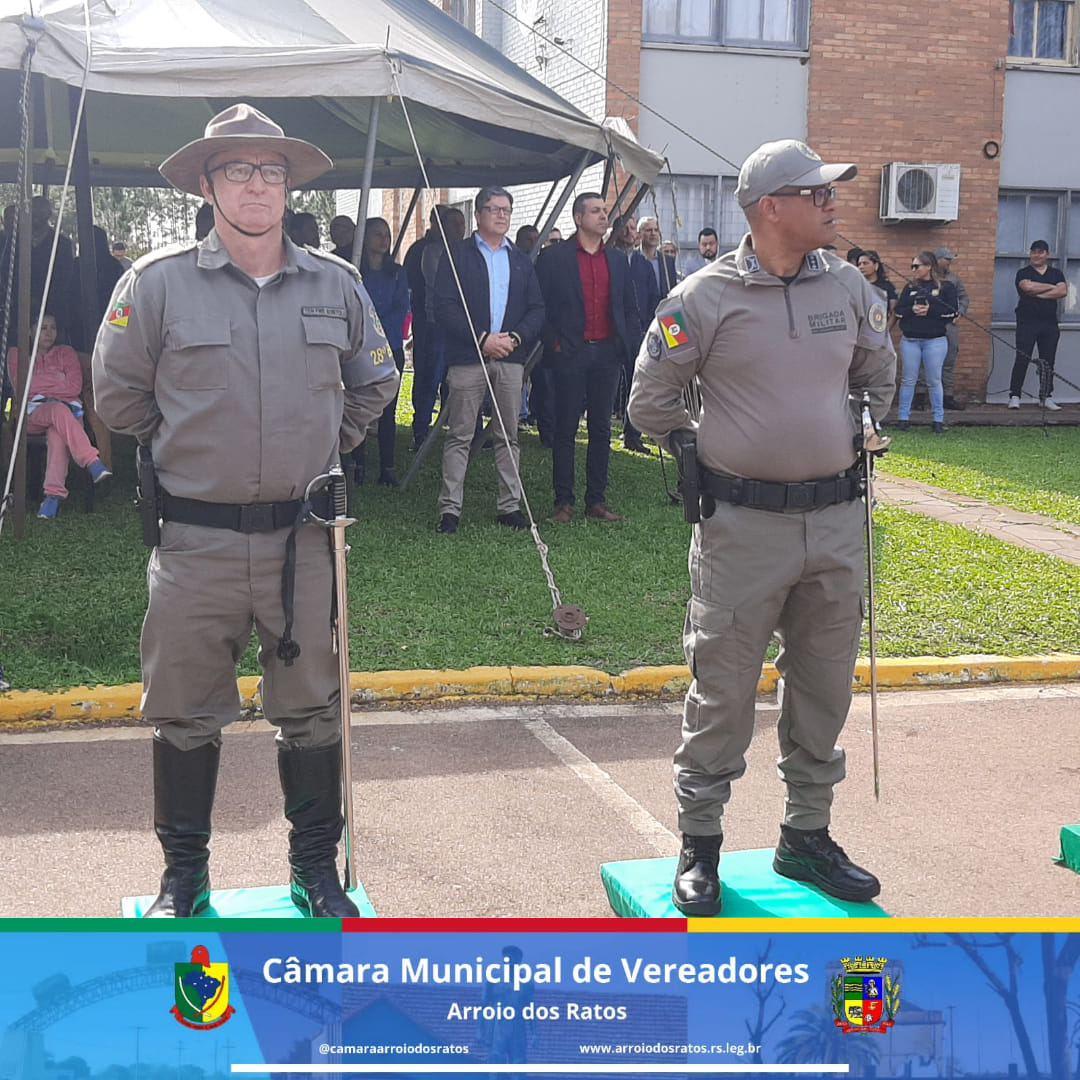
point(877, 317)
point(751, 264)
point(813, 261)
point(118, 316)
point(653, 345)
point(674, 329)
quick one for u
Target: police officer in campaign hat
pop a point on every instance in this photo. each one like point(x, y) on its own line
point(779, 335)
point(246, 365)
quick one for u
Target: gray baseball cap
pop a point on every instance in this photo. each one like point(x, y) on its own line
point(786, 163)
point(944, 253)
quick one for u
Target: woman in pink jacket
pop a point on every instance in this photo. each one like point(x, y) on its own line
point(55, 409)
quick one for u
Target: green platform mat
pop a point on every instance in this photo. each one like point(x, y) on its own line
point(267, 902)
point(751, 889)
point(1070, 847)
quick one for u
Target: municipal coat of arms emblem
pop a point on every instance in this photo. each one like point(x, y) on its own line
point(866, 997)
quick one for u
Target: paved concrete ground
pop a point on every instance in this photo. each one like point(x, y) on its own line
point(510, 810)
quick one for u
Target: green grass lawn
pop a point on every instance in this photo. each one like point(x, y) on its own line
point(1019, 467)
point(72, 592)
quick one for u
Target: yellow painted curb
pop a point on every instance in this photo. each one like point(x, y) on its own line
point(83, 703)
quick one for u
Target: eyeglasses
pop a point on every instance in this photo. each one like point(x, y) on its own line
point(500, 211)
point(820, 195)
point(918, 266)
point(240, 172)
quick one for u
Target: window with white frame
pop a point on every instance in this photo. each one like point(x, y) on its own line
point(731, 223)
point(1043, 31)
point(693, 199)
point(753, 24)
point(1027, 216)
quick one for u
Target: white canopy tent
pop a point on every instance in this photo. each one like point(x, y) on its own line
point(157, 70)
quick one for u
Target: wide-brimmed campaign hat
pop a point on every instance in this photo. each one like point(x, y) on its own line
point(242, 128)
point(786, 163)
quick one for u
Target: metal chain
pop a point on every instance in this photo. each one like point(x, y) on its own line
point(565, 616)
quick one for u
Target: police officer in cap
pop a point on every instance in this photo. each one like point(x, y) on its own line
point(779, 334)
point(247, 364)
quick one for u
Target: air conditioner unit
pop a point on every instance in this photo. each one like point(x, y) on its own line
point(919, 192)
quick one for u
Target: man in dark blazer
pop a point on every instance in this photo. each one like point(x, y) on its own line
point(662, 265)
point(505, 313)
point(591, 324)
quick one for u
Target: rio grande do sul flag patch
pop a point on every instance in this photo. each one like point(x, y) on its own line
point(118, 316)
point(674, 328)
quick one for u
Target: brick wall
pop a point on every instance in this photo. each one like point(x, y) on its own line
point(915, 82)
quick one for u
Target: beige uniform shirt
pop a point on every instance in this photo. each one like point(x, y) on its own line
point(776, 364)
point(243, 393)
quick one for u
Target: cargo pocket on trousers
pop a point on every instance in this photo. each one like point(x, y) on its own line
point(327, 342)
point(707, 638)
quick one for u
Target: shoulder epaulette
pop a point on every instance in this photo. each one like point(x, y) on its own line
point(330, 257)
point(168, 252)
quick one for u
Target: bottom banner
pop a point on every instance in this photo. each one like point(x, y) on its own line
point(130, 1001)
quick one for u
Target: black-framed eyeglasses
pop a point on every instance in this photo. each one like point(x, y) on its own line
point(500, 211)
point(820, 195)
point(240, 172)
point(918, 266)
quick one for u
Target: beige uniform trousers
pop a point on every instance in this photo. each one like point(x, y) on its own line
point(753, 572)
point(467, 388)
point(208, 587)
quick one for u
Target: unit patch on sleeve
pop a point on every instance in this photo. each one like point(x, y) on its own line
point(118, 316)
point(674, 328)
point(877, 317)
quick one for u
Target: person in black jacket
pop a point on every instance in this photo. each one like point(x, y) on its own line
point(592, 323)
point(927, 305)
point(505, 313)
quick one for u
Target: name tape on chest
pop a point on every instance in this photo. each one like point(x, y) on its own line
point(324, 312)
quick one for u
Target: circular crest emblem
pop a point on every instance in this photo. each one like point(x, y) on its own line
point(375, 321)
point(877, 317)
point(652, 344)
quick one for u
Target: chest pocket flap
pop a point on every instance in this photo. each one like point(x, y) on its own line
point(199, 348)
point(327, 339)
point(326, 330)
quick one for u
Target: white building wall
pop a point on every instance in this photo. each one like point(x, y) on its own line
point(581, 25)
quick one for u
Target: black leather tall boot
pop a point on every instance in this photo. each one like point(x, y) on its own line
point(311, 784)
point(184, 784)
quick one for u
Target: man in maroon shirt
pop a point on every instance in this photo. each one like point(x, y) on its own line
point(592, 323)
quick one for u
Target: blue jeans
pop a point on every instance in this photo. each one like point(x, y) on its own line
point(928, 353)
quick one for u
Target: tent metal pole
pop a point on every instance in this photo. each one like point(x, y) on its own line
point(405, 222)
point(365, 183)
point(636, 201)
point(88, 269)
point(613, 212)
point(540, 215)
point(609, 172)
point(24, 326)
point(557, 209)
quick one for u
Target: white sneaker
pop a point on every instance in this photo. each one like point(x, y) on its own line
point(1014, 402)
point(1051, 404)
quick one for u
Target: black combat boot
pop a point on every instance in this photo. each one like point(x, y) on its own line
point(311, 784)
point(697, 878)
point(812, 855)
point(184, 783)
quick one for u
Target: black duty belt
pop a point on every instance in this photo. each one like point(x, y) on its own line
point(776, 495)
point(243, 518)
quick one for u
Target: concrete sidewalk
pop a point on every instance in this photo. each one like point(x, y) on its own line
point(1034, 531)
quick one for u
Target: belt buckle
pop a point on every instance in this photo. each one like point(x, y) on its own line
point(800, 496)
point(256, 517)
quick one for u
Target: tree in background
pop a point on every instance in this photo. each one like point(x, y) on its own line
point(149, 218)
